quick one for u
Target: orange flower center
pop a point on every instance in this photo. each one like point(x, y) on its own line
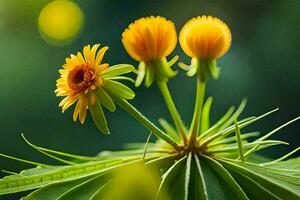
point(81, 78)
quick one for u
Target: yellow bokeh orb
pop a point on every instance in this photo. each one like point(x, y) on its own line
point(60, 21)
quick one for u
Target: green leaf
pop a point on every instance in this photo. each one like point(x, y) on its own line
point(38, 170)
point(99, 117)
point(213, 128)
point(216, 187)
point(228, 179)
point(66, 156)
point(151, 146)
point(288, 175)
point(235, 115)
point(163, 163)
point(205, 119)
point(53, 191)
point(270, 134)
point(292, 164)
point(46, 153)
point(187, 176)
point(23, 160)
point(233, 139)
point(278, 187)
point(58, 175)
point(129, 153)
point(100, 193)
point(239, 140)
point(198, 187)
point(118, 89)
point(223, 133)
point(125, 78)
point(281, 158)
point(169, 129)
point(252, 188)
point(105, 99)
point(117, 70)
point(175, 174)
point(234, 147)
point(86, 189)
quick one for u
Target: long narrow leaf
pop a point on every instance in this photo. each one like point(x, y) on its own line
point(231, 128)
point(205, 119)
point(235, 115)
point(227, 178)
point(262, 145)
point(202, 186)
point(118, 89)
point(105, 99)
point(270, 134)
point(167, 180)
point(169, 129)
point(117, 70)
point(280, 188)
point(233, 138)
point(281, 158)
point(217, 124)
point(99, 118)
point(46, 153)
point(239, 140)
point(67, 173)
point(187, 176)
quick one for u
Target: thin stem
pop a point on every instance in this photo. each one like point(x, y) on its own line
point(143, 120)
point(195, 126)
point(146, 145)
point(239, 140)
point(162, 85)
point(281, 158)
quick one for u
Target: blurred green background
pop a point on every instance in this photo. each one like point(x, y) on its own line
point(263, 65)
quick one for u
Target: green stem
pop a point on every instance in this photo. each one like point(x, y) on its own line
point(142, 119)
point(162, 85)
point(195, 126)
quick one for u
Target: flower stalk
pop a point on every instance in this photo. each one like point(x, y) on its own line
point(143, 120)
point(164, 89)
point(200, 94)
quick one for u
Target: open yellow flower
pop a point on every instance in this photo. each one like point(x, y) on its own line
point(150, 38)
point(149, 41)
point(205, 37)
point(91, 84)
point(79, 78)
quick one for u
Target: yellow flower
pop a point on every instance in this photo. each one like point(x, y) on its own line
point(79, 78)
point(92, 85)
point(149, 41)
point(205, 37)
point(150, 38)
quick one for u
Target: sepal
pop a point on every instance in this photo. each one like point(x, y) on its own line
point(202, 67)
point(158, 70)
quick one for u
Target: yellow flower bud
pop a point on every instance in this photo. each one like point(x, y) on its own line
point(150, 38)
point(205, 37)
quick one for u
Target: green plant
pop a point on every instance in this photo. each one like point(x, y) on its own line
point(206, 161)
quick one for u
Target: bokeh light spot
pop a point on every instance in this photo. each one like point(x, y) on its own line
point(60, 22)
